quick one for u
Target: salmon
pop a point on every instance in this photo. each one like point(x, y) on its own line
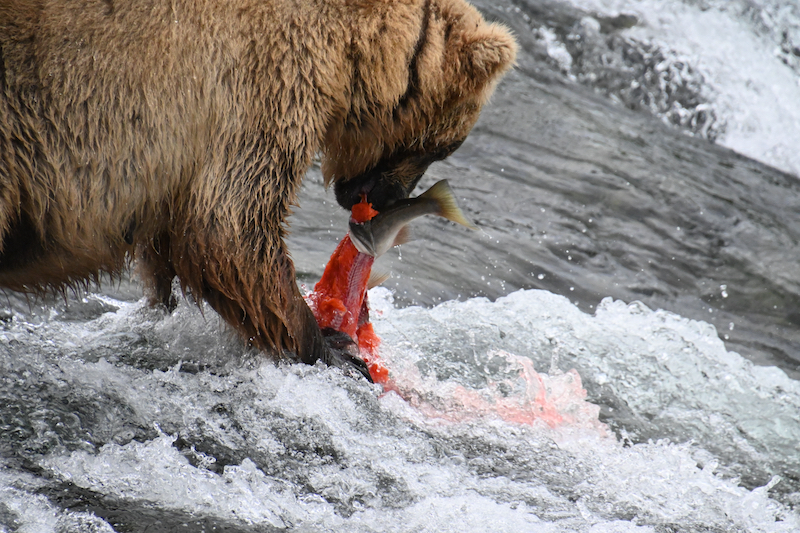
point(339, 300)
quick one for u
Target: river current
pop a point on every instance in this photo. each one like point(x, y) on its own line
point(616, 349)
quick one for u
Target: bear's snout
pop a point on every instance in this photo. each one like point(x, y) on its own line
point(380, 187)
point(392, 179)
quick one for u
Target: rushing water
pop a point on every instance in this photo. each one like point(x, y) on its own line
point(608, 353)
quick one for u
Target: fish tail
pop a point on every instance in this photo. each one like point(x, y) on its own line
point(442, 194)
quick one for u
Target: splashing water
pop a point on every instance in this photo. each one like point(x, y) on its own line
point(171, 421)
point(755, 95)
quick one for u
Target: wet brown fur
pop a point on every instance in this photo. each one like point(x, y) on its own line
point(177, 133)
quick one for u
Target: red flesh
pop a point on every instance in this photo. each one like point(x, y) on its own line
point(339, 300)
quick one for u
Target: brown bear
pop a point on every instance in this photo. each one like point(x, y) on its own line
point(176, 133)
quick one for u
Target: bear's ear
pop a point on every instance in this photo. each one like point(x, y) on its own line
point(487, 52)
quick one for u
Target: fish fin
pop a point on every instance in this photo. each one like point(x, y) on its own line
point(403, 236)
point(377, 277)
point(442, 194)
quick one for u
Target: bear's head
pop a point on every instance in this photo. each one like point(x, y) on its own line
point(422, 70)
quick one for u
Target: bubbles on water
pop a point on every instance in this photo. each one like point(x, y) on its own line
point(488, 425)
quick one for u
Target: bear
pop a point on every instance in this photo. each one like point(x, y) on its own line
point(174, 135)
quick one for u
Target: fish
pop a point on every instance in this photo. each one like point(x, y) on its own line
point(338, 297)
point(374, 237)
point(339, 300)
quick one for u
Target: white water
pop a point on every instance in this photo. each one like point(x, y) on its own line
point(742, 48)
point(321, 452)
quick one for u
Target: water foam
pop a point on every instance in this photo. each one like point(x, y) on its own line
point(741, 49)
point(290, 446)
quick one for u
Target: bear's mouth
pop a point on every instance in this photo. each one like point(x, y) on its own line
point(379, 190)
point(392, 179)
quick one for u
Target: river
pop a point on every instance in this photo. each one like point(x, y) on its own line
point(616, 349)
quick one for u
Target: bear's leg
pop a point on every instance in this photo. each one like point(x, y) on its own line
point(261, 299)
point(156, 270)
